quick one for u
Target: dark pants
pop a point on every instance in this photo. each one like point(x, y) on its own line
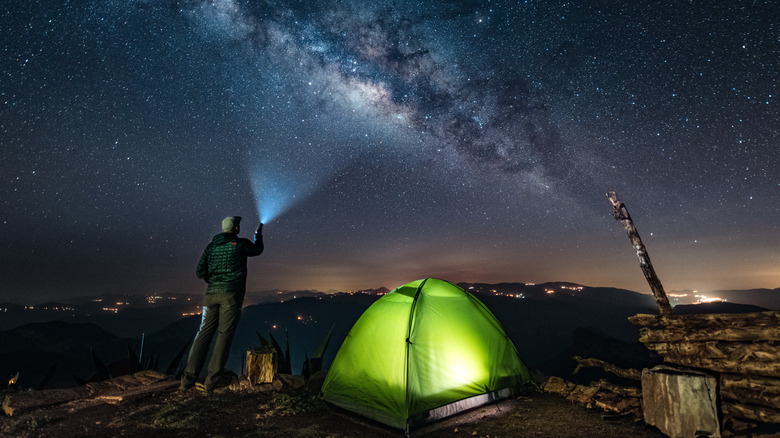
point(220, 313)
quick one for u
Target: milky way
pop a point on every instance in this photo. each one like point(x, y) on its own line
point(471, 141)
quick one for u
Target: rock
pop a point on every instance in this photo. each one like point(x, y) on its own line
point(291, 380)
point(241, 383)
point(316, 380)
point(680, 402)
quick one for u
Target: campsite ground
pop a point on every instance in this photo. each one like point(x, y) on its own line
point(292, 412)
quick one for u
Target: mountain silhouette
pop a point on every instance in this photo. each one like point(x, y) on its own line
point(548, 323)
point(32, 349)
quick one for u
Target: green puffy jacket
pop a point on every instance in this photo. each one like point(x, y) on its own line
point(223, 263)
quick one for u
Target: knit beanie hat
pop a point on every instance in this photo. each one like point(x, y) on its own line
point(230, 222)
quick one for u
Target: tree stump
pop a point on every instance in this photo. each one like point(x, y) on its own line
point(261, 365)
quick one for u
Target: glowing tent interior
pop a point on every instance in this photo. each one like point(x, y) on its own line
point(424, 351)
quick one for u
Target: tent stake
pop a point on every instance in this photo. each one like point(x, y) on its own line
point(621, 214)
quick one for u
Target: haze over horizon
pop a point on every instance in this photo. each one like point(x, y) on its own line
point(387, 141)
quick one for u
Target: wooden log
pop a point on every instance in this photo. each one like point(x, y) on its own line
point(621, 214)
point(618, 403)
point(760, 391)
point(261, 365)
point(582, 394)
point(627, 373)
point(116, 390)
point(556, 385)
point(765, 385)
point(738, 334)
point(708, 320)
point(742, 351)
point(626, 391)
point(602, 394)
point(751, 412)
point(16, 403)
point(129, 381)
point(762, 400)
point(766, 369)
point(121, 396)
point(737, 427)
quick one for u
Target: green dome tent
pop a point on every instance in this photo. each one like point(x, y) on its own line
point(425, 351)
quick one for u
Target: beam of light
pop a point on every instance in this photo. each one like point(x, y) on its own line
point(277, 189)
point(283, 175)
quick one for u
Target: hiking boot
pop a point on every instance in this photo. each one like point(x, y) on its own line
point(208, 391)
point(185, 384)
point(220, 381)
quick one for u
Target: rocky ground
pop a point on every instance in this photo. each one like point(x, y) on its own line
point(294, 410)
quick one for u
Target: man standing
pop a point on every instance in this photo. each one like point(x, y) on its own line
point(223, 267)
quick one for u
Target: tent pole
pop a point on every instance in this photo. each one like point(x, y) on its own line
point(408, 344)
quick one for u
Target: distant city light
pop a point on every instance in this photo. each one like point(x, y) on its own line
point(705, 299)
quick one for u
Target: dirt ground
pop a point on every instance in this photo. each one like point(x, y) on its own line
point(300, 413)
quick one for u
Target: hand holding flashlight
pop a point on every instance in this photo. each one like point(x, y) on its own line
point(259, 233)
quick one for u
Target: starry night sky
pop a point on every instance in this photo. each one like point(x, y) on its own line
point(464, 140)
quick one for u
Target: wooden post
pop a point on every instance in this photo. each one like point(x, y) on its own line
point(621, 214)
